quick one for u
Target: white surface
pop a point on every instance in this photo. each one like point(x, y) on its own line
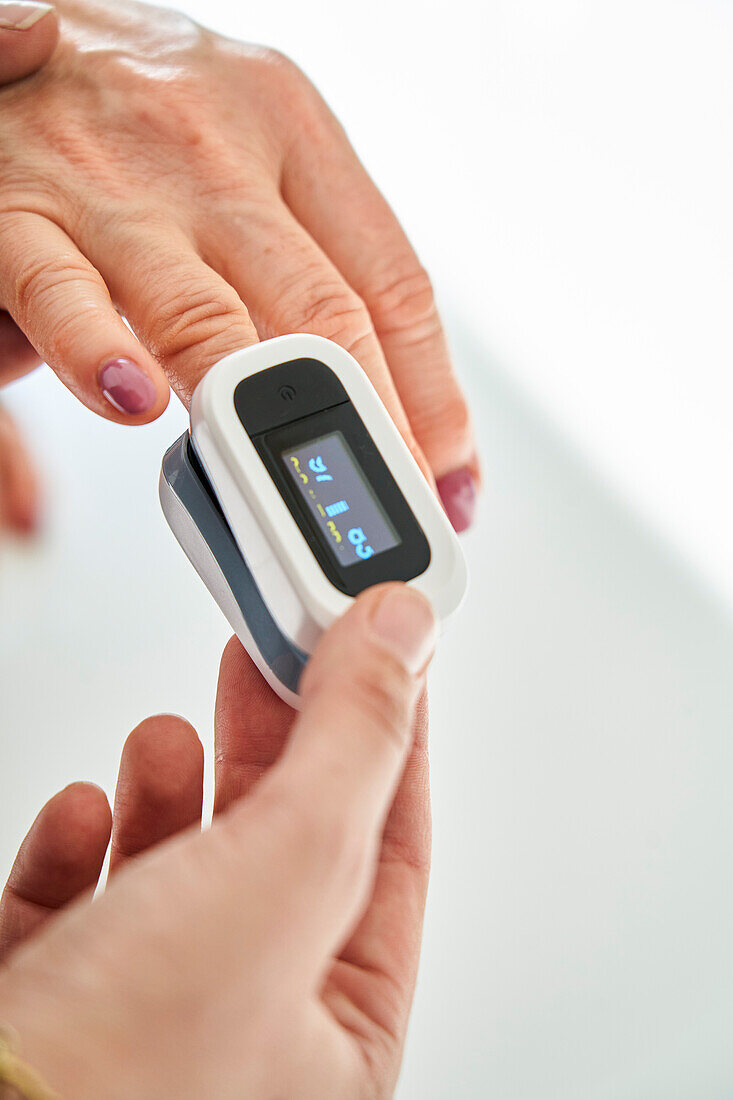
point(567, 178)
point(578, 932)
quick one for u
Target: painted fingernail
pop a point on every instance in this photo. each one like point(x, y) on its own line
point(21, 15)
point(458, 493)
point(404, 621)
point(127, 387)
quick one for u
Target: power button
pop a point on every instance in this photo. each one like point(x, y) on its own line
point(288, 391)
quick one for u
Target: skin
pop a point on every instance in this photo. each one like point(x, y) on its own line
point(273, 955)
point(203, 190)
point(23, 52)
point(19, 488)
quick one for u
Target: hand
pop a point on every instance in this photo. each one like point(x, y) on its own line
point(19, 490)
point(28, 36)
point(203, 189)
point(274, 955)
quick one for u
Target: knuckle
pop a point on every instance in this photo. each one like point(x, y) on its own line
point(280, 63)
point(36, 296)
point(201, 319)
point(132, 226)
point(174, 120)
point(443, 421)
point(381, 694)
point(312, 828)
point(283, 78)
point(377, 703)
point(403, 302)
point(21, 193)
point(446, 435)
point(453, 409)
point(378, 694)
point(408, 852)
point(457, 415)
point(330, 310)
point(314, 834)
point(62, 339)
point(39, 279)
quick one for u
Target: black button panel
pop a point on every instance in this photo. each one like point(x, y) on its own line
point(286, 392)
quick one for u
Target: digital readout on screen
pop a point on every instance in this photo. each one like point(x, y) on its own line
point(343, 504)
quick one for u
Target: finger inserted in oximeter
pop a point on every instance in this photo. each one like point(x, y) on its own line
point(293, 492)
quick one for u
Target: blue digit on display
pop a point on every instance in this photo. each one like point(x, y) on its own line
point(358, 540)
point(337, 508)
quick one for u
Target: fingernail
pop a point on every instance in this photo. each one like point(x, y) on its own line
point(127, 387)
point(21, 15)
point(404, 621)
point(458, 492)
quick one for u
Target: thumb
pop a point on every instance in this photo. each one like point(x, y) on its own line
point(324, 804)
point(29, 32)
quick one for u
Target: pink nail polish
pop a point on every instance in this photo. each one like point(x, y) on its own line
point(127, 387)
point(458, 492)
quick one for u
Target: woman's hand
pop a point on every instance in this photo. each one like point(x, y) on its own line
point(274, 955)
point(203, 189)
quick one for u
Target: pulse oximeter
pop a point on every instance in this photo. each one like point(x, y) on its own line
point(293, 491)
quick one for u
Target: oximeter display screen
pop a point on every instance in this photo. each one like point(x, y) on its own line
point(346, 510)
point(331, 475)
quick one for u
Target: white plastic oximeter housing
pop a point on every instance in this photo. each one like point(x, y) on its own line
point(293, 492)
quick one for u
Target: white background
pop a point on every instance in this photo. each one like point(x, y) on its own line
point(565, 170)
